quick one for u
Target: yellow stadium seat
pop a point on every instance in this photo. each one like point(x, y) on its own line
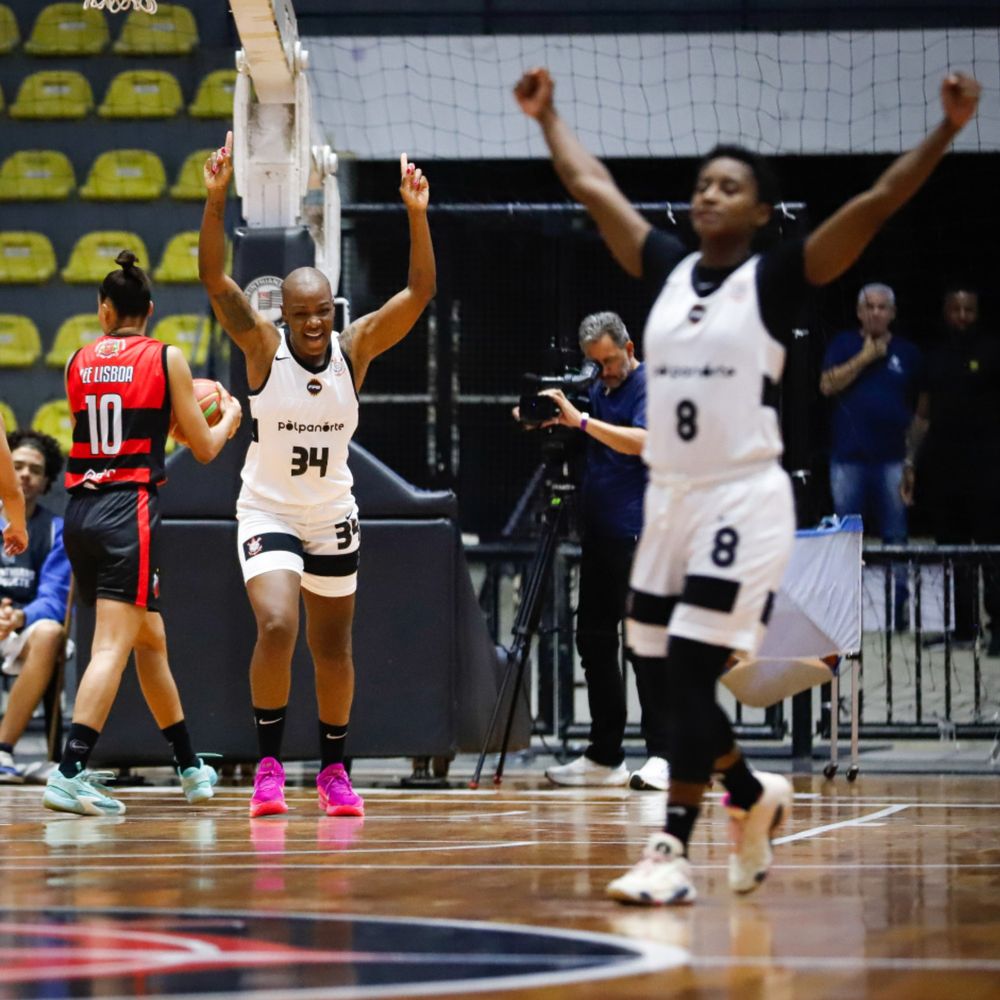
point(214, 98)
point(26, 258)
point(10, 34)
point(190, 184)
point(68, 29)
point(125, 175)
point(142, 94)
point(54, 93)
point(36, 175)
point(9, 418)
point(84, 328)
point(53, 418)
point(179, 263)
point(20, 345)
point(94, 255)
point(171, 31)
point(188, 331)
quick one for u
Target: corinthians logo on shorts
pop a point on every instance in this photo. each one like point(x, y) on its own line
point(314, 386)
point(253, 547)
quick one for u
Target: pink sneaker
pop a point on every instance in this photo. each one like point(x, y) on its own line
point(336, 796)
point(268, 789)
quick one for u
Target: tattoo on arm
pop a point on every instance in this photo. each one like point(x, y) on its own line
point(235, 312)
point(346, 340)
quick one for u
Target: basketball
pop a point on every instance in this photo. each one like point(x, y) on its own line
point(206, 392)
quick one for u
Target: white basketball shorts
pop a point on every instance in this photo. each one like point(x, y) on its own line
point(321, 544)
point(709, 561)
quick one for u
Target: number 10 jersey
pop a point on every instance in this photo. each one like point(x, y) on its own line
point(302, 423)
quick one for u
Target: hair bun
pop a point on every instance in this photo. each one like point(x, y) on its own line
point(126, 260)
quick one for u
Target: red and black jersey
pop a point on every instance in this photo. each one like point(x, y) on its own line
point(120, 398)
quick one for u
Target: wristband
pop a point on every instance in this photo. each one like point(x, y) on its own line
point(584, 417)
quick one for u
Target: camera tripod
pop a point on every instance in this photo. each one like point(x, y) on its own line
point(559, 490)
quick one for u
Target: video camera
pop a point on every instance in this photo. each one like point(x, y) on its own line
point(536, 409)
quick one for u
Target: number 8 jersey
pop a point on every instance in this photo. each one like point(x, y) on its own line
point(303, 419)
point(712, 374)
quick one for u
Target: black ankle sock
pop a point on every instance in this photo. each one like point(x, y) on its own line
point(331, 744)
point(80, 743)
point(178, 737)
point(7, 748)
point(744, 789)
point(270, 725)
point(680, 822)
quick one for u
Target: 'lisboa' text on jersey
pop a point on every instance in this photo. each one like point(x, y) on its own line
point(711, 369)
point(120, 398)
point(302, 425)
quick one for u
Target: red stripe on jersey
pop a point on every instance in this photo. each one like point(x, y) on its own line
point(135, 446)
point(119, 395)
point(142, 591)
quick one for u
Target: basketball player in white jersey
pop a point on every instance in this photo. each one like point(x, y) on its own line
point(298, 523)
point(719, 522)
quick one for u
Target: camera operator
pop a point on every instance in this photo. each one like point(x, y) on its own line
point(614, 481)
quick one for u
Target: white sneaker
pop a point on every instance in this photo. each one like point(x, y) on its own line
point(750, 832)
point(10, 773)
point(654, 775)
point(662, 877)
point(583, 771)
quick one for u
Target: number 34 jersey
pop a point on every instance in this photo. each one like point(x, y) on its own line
point(712, 370)
point(303, 421)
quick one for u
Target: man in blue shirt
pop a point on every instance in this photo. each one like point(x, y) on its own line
point(34, 588)
point(874, 378)
point(611, 496)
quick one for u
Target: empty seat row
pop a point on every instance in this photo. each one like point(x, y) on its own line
point(28, 258)
point(67, 29)
point(21, 345)
point(117, 175)
point(135, 93)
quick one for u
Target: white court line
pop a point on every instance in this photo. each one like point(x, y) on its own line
point(857, 821)
point(849, 963)
point(269, 854)
point(341, 860)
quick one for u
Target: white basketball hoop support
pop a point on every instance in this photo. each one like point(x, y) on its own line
point(272, 127)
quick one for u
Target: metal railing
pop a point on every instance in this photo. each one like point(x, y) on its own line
point(924, 669)
point(916, 679)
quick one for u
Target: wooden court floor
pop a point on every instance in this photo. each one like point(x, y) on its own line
point(886, 888)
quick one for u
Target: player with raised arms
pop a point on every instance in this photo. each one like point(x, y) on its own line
point(124, 390)
point(298, 522)
point(719, 519)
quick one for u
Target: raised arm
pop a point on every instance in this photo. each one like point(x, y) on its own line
point(15, 535)
point(377, 331)
point(205, 442)
point(622, 228)
point(255, 336)
point(840, 240)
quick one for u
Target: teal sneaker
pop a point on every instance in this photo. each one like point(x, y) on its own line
point(198, 782)
point(83, 795)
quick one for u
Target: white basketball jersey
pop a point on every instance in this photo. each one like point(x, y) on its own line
point(709, 362)
point(302, 425)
